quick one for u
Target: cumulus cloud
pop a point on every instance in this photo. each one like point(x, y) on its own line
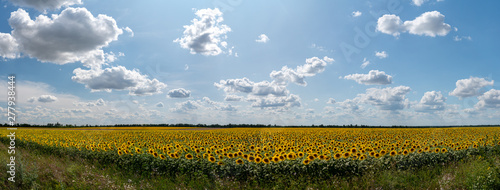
point(313, 66)
point(277, 101)
point(42, 5)
point(233, 98)
point(431, 101)
point(98, 102)
point(43, 99)
point(186, 106)
point(428, 24)
point(356, 14)
point(247, 86)
point(374, 77)
point(274, 94)
point(118, 78)
point(159, 105)
point(75, 35)
point(470, 87)
point(8, 46)
point(390, 24)
point(179, 93)
point(262, 38)
point(490, 99)
point(206, 34)
point(419, 2)
point(331, 101)
point(390, 98)
point(381, 54)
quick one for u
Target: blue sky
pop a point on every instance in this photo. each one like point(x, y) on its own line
point(394, 62)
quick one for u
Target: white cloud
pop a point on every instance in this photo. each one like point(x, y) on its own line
point(217, 105)
point(460, 38)
point(313, 66)
point(490, 99)
point(8, 46)
point(118, 78)
point(244, 85)
point(206, 34)
point(365, 63)
point(72, 36)
point(130, 31)
point(428, 24)
point(98, 102)
point(186, 67)
point(262, 39)
point(233, 98)
point(179, 93)
point(277, 101)
point(386, 98)
point(431, 101)
point(331, 101)
point(186, 106)
point(381, 54)
point(43, 99)
point(159, 105)
point(419, 2)
point(356, 14)
point(470, 87)
point(286, 75)
point(43, 5)
point(390, 24)
point(374, 77)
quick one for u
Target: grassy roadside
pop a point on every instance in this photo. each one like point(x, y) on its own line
point(37, 170)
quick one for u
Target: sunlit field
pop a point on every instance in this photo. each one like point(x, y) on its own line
point(261, 156)
point(267, 146)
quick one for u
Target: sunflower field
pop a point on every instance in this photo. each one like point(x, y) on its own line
point(264, 153)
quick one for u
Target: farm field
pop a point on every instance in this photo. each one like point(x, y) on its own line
point(264, 156)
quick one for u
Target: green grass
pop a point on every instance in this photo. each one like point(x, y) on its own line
point(38, 170)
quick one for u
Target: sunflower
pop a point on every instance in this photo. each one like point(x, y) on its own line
point(393, 153)
point(266, 160)
point(189, 156)
point(138, 150)
point(310, 157)
point(362, 157)
point(276, 159)
point(251, 158)
point(282, 157)
point(405, 152)
point(211, 159)
point(377, 155)
point(245, 156)
point(306, 161)
point(346, 154)
point(301, 154)
point(443, 150)
point(321, 157)
point(437, 150)
point(220, 163)
point(239, 161)
point(155, 154)
point(120, 152)
point(162, 156)
point(337, 156)
point(258, 160)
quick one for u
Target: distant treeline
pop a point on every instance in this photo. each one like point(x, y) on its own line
point(58, 125)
